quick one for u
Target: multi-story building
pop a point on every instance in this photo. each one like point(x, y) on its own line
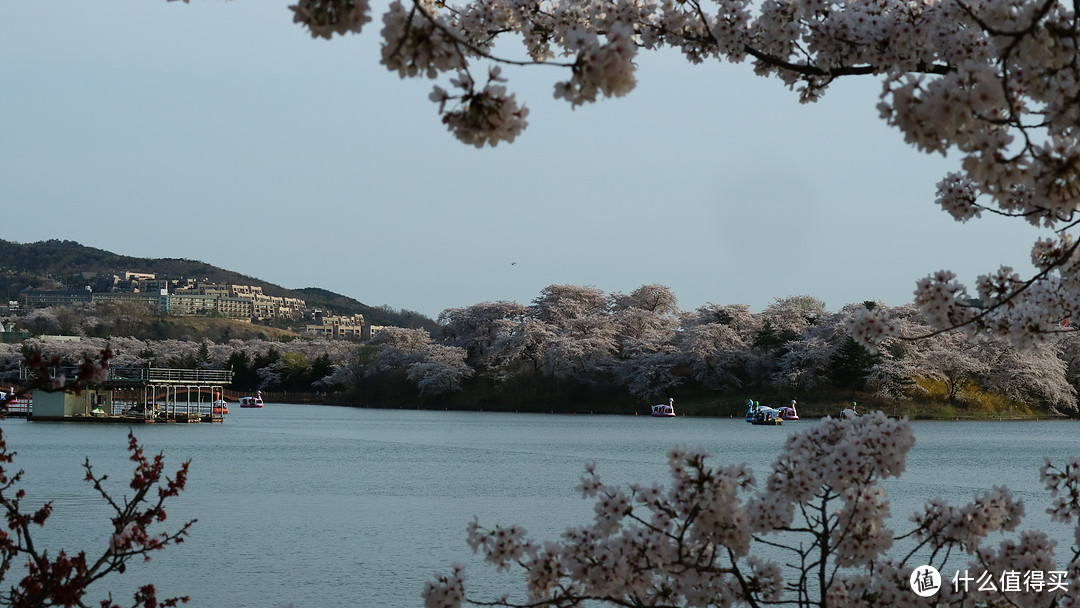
point(245, 291)
point(192, 304)
point(157, 301)
point(40, 299)
point(233, 307)
point(178, 297)
point(207, 304)
point(139, 276)
point(339, 327)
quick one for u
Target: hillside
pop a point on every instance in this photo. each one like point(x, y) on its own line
point(56, 264)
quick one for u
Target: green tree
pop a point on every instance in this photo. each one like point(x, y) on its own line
point(295, 370)
point(321, 367)
point(244, 376)
point(770, 339)
point(851, 365)
point(204, 352)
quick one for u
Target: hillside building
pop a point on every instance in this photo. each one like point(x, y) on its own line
point(191, 297)
point(339, 327)
point(176, 297)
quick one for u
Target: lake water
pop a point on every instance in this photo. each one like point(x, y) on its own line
point(323, 507)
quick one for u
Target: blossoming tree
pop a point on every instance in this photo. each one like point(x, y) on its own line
point(63, 578)
point(995, 81)
point(813, 534)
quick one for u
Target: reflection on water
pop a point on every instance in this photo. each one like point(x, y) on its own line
point(327, 506)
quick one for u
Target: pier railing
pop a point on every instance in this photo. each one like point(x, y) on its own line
point(18, 408)
point(162, 375)
point(154, 375)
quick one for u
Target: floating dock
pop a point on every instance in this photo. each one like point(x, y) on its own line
point(138, 395)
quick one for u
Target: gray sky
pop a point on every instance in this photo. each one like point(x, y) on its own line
point(222, 132)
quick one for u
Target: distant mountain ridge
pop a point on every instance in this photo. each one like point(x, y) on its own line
point(59, 264)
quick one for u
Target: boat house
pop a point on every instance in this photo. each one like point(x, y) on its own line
point(139, 394)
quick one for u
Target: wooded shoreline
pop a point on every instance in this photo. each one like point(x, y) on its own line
point(702, 407)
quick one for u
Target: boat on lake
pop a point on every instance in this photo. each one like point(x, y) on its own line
point(14, 403)
point(788, 412)
point(847, 412)
point(751, 409)
point(249, 401)
point(142, 410)
point(220, 407)
point(664, 410)
point(767, 416)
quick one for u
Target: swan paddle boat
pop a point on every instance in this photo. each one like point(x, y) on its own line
point(664, 410)
point(751, 409)
point(768, 416)
point(848, 412)
point(255, 401)
point(788, 412)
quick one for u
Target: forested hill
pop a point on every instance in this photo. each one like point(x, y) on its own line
point(61, 261)
point(56, 264)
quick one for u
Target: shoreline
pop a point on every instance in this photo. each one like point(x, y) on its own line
point(814, 413)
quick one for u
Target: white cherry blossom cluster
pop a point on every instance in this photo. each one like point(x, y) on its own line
point(446, 590)
point(944, 525)
point(889, 586)
point(957, 196)
point(487, 116)
point(1029, 313)
point(1024, 311)
point(871, 327)
point(861, 536)
point(601, 68)
point(1064, 486)
point(944, 301)
point(1031, 553)
point(502, 547)
point(324, 18)
point(837, 455)
point(1063, 483)
point(418, 42)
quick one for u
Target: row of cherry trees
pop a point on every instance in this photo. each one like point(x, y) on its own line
point(644, 343)
point(640, 343)
point(257, 364)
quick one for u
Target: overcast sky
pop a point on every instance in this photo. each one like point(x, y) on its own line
point(222, 132)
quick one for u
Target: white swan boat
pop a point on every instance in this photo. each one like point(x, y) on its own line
point(788, 412)
point(255, 401)
point(664, 410)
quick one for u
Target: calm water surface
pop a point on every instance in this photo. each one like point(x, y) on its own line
point(323, 507)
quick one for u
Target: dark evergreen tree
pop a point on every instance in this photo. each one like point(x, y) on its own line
point(244, 376)
point(851, 364)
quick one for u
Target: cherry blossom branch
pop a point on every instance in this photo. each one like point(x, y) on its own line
point(64, 580)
